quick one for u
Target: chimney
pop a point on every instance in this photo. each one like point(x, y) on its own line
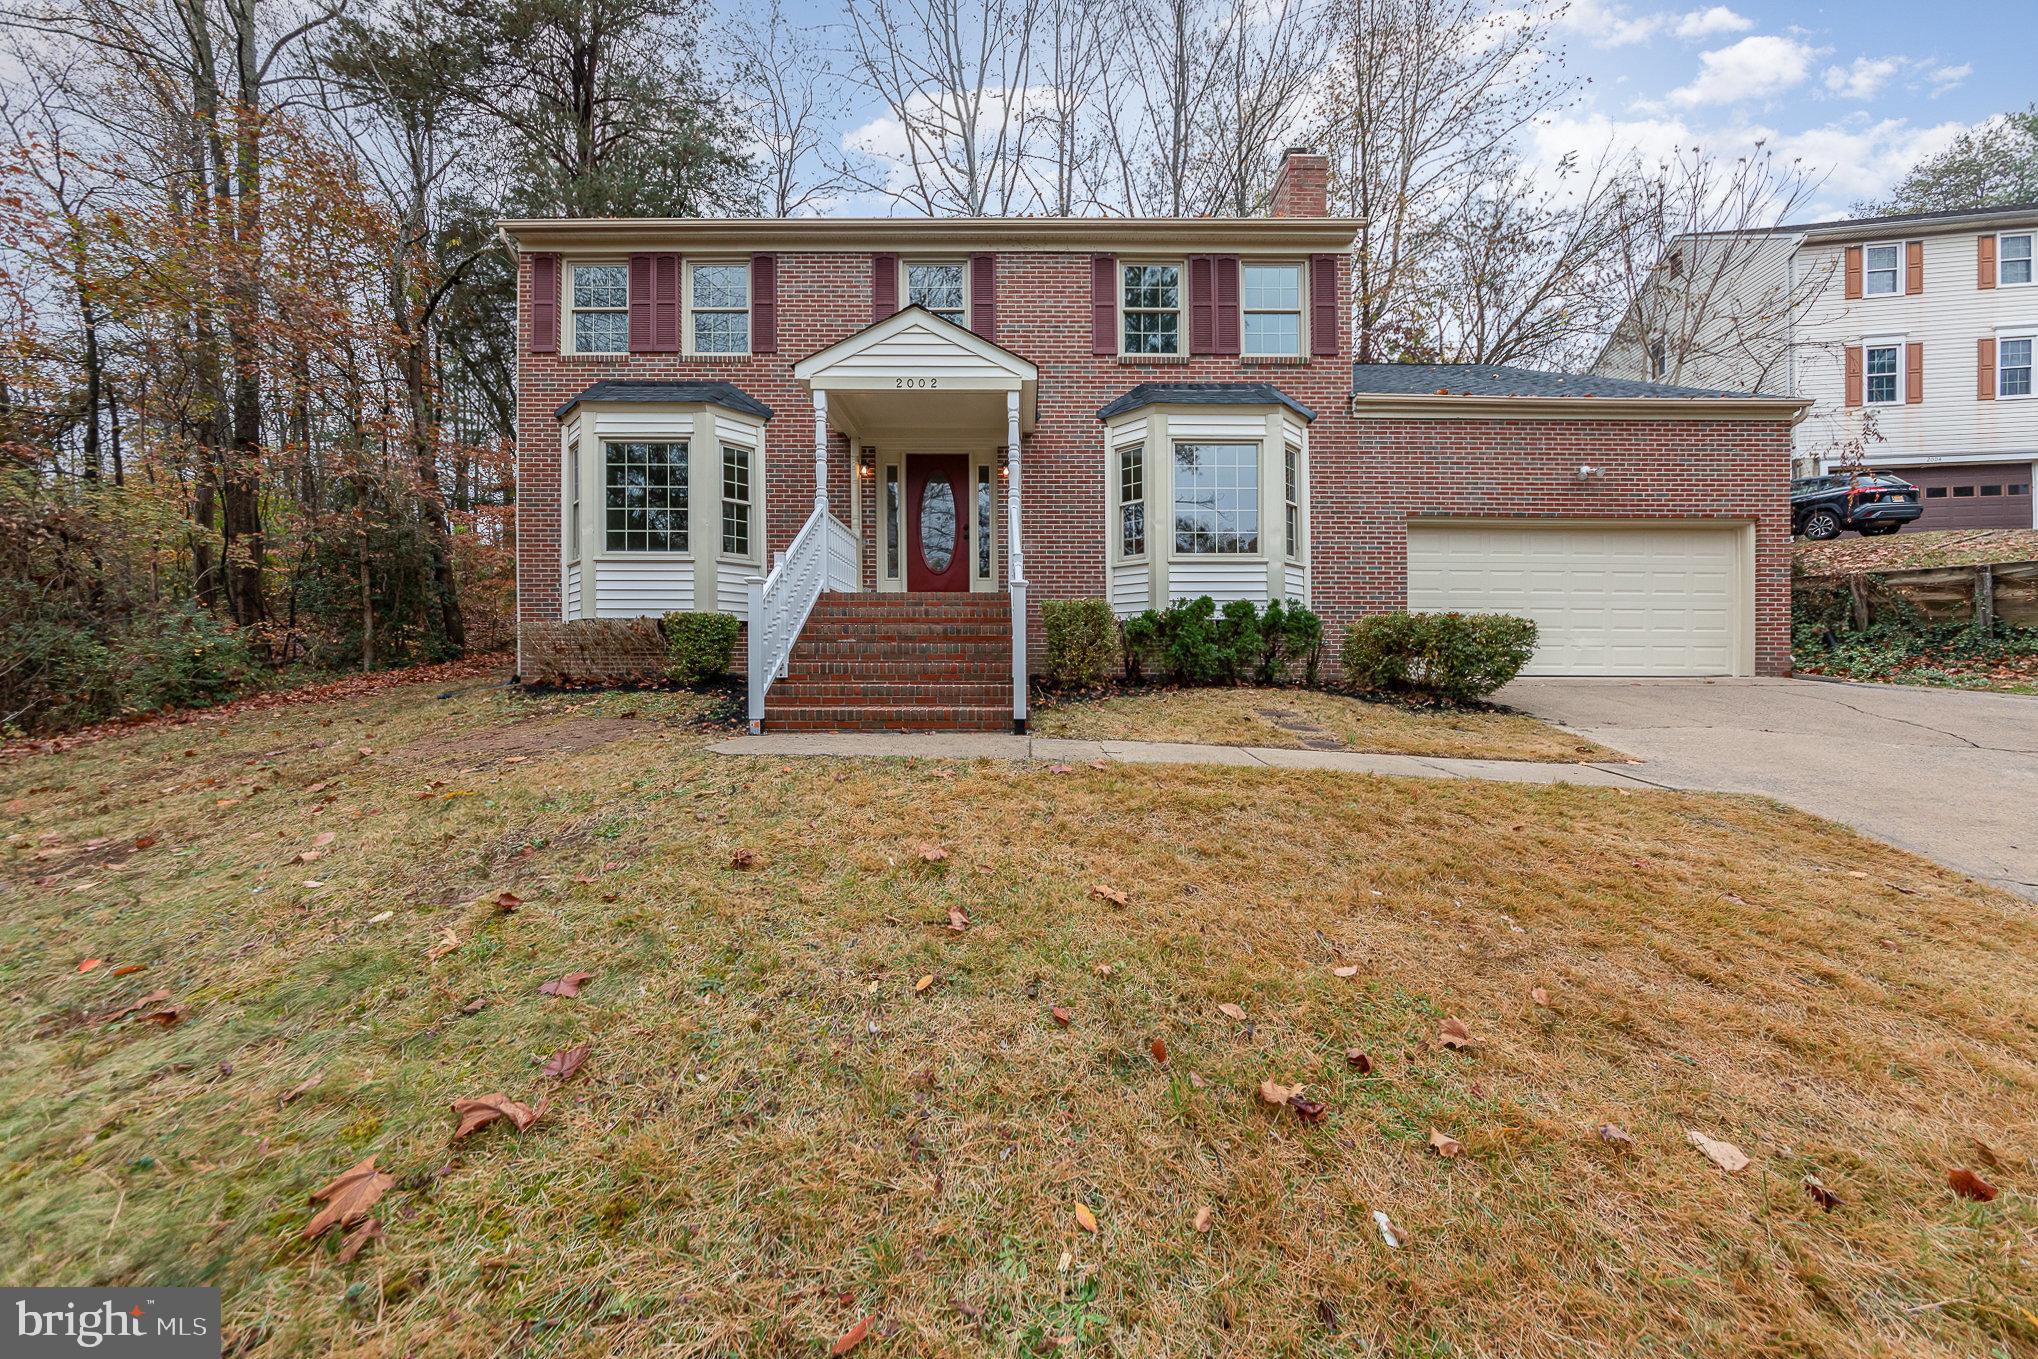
point(1301, 185)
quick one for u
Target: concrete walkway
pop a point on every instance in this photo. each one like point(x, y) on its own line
point(1048, 750)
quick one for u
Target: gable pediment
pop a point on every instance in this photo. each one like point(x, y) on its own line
point(913, 345)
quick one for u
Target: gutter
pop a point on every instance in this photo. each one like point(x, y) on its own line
point(1237, 235)
point(1425, 405)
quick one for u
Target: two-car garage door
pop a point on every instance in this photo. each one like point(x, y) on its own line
point(1607, 598)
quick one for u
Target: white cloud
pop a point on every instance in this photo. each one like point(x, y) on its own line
point(1758, 67)
point(1860, 158)
point(1863, 79)
point(1944, 78)
point(1711, 23)
point(1611, 25)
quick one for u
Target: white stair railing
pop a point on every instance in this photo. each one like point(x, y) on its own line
point(823, 556)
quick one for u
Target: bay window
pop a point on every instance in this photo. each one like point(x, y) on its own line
point(599, 299)
point(1132, 501)
point(646, 496)
point(1152, 308)
point(1217, 498)
point(1291, 460)
point(735, 501)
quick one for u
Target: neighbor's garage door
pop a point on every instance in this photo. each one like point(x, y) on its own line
point(1984, 495)
point(1638, 599)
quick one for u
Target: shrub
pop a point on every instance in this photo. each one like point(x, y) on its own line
point(187, 659)
point(1289, 633)
point(1082, 641)
point(1192, 641)
point(1453, 656)
point(698, 646)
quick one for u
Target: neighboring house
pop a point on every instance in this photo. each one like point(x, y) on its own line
point(878, 442)
point(1912, 335)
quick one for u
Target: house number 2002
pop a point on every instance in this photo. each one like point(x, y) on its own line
point(916, 382)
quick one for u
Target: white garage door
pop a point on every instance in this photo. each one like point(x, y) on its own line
point(1640, 599)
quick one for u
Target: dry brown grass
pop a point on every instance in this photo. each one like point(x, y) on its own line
point(1915, 549)
point(1268, 717)
point(776, 1134)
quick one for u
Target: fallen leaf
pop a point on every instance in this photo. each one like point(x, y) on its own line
point(1453, 1034)
point(1821, 1195)
point(561, 1065)
point(1969, 1185)
point(1061, 769)
point(373, 919)
point(1276, 1094)
point(324, 838)
point(923, 983)
point(1725, 1155)
point(1357, 1059)
point(1444, 1144)
point(123, 1011)
point(1203, 1220)
point(128, 969)
point(1389, 1233)
point(1540, 996)
point(347, 1199)
point(507, 902)
point(308, 855)
point(1159, 1048)
point(1085, 1219)
point(567, 986)
point(958, 920)
point(168, 1015)
point(1615, 1135)
point(474, 1006)
point(1982, 1149)
point(476, 1114)
point(1232, 1011)
point(358, 1239)
point(1108, 893)
point(1061, 1016)
point(301, 1087)
point(747, 858)
point(448, 941)
point(850, 1338)
point(89, 964)
point(931, 853)
point(145, 841)
point(1344, 972)
point(1196, 1081)
point(1307, 1109)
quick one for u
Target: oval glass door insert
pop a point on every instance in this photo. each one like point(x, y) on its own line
point(937, 525)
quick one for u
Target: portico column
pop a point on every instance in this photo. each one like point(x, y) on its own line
point(1015, 562)
point(821, 451)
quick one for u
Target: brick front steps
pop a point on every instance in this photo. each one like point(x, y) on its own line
point(916, 662)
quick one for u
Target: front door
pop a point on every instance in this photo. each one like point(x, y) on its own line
point(937, 500)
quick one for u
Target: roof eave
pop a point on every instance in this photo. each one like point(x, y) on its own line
point(1144, 234)
point(1428, 405)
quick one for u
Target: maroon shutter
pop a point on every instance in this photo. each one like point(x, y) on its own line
point(764, 304)
point(544, 304)
point(665, 303)
point(1103, 304)
point(1202, 305)
point(640, 304)
point(1323, 304)
point(1224, 273)
point(884, 286)
point(983, 295)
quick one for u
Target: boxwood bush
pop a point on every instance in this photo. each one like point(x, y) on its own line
point(698, 646)
point(1193, 642)
point(1082, 641)
point(1458, 657)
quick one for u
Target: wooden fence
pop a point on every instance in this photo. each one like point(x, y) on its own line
point(2004, 591)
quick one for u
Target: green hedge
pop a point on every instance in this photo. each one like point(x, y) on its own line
point(1455, 656)
point(1193, 642)
point(698, 646)
point(1082, 641)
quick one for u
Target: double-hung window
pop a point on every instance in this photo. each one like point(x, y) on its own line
point(573, 502)
point(1217, 498)
point(736, 463)
point(1152, 308)
point(1271, 300)
point(1132, 501)
point(646, 496)
point(721, 308)
point(1882, 372)
point(1292, 467)
point(941, 287)
point(2013, 259)
point(1882, 270)
point(2013, 366)
point(600, 303)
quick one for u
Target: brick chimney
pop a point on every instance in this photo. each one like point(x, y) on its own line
point(1301, 185)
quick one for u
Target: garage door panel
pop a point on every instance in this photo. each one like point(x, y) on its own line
point(1606, 600)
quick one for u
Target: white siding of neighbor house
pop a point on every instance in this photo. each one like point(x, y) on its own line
point(1131, 588)
point(1744, 289)
point(639, 587)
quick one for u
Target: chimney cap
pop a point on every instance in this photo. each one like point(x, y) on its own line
point(1297, 151)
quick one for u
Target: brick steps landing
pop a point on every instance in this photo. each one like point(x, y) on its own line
point(916, 662)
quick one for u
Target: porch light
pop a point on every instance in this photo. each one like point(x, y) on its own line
point(866, 464)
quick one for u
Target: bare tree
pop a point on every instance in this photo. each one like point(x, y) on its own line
point(786, 86)
point(1067, 161)
point(1269, 55)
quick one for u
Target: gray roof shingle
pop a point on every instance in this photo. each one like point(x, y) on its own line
point(1491, 379)
point(646, 392)
point(1204, 394)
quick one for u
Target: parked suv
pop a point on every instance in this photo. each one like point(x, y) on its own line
point(1871, 503)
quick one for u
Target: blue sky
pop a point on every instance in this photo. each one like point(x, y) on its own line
point(1841, 87)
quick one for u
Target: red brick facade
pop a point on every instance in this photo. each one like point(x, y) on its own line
point(1367, 476)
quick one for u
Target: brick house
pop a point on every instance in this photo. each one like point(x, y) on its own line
point(878, 442)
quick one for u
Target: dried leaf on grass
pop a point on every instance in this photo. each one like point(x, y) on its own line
point(507, 902)
point(1969, 1185)
point(1061, 1016)
point(562, 1064)
point(1821, 1195)
point(1293, 1097)
point(1202, 1223)
point(1389, 1233)
point(358, 1239)
point(1085, 1219)
point(1615, 1135)
point(1358, 1060)
point(1231, 1011)
point(89, 964)
point(1344, 972)
point(743, 858)
point(476, 1114)
point(448, 941)
point(123, 1011)
point(923, 983)
point(850, 1338)
point(1444, 1145)
point(1159, 1048)
point(1453, 1034)
point(1106, 892)
point(1540, 997)
point(567, 986)
point(931, 853)
point(958, 920)
point(1725, 1155)
point(347, 1199)
point(302, 1087)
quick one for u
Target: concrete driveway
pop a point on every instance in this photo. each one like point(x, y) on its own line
point(1948, 774)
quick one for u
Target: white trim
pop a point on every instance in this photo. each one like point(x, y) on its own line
point(1013, 370)
point(2030, 258)
point(1895, 342)
point(1897, 290)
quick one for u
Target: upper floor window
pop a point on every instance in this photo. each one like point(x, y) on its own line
point(1217, 498)
point(1659, 361)
point(600, 304)
point(720, 296)
point(941, 287)
point(1884, 386)
point(1132, 501)
point(2013, 259)
point(1882, 270)
point(646, 499)
point(2013, 366)
point(1271, 298)
point(1152, 308)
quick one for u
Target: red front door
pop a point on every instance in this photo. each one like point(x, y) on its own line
point(937, 514)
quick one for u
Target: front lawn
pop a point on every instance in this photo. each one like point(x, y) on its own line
point(1296, 718)
point(867, 1041)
